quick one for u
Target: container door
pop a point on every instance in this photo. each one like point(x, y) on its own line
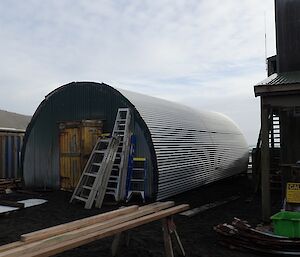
point(90, 134)
point(70, 157)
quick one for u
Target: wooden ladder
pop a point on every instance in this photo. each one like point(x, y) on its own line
point(95, 176)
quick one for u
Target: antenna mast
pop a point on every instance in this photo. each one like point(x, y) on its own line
point(266, 62)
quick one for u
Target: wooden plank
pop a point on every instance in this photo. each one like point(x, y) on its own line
point(58, 244)
point(13, 245)
point(56, 230)
point(155, 205)
point(118, 220)
point(115, 221)
point(77, 224)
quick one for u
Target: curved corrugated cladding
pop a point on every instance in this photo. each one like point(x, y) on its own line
point(192, 147)
point(185, 148)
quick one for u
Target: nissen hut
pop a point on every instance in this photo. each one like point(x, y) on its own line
point(174, 147)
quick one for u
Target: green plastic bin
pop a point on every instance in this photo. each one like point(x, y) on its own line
point(287, 223)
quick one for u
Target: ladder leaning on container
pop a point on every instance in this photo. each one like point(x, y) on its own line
point(117, 180)
point(106, 170)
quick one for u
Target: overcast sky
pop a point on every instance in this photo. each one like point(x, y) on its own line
point(206, 54)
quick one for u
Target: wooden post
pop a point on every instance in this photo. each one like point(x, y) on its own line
point(172, 229)
point(119, 238)
point(115, 244)
point(265, 163)
point(167, 238)
point(169, 228)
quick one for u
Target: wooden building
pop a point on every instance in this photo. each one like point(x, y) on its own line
point(280, 102)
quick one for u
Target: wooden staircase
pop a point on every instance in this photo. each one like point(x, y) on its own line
point(274, 148)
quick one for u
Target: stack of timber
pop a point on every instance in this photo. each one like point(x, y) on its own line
point(54, 240)
point(6, 184)
point(240, 235)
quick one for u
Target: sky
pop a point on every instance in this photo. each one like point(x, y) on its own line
point(207, 54)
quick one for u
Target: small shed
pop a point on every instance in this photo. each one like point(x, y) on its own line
point(184, 148)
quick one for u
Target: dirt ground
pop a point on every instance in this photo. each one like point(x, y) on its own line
point(197, 235)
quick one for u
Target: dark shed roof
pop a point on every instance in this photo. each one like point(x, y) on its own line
point(285, 78)
point(285, 82)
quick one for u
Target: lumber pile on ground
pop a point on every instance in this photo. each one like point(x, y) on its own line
point(54, 240)
point(240, 235)
point(6, 184)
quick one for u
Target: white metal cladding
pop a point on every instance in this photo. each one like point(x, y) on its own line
point(192, 148)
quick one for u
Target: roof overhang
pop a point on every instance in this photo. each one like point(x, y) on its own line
point(278, 89)
point(281, 83)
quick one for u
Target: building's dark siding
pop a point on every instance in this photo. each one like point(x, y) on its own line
point(288, 34)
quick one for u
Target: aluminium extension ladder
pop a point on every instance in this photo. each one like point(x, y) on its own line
point(94, 178)
point(117, 180)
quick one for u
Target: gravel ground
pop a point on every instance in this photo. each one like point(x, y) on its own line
point(197, 235)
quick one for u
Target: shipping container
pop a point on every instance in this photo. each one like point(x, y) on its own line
point(11, 141)
point(76, 140)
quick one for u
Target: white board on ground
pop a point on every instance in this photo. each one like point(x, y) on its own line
point(32, 202)
point(4, 209)
point(27, 203)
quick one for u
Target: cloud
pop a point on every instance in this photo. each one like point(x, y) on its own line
point(195, 52)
